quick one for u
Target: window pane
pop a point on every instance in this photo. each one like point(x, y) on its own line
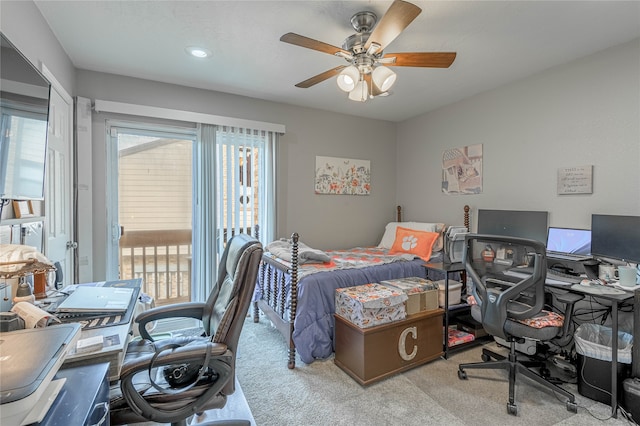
point(154, 204)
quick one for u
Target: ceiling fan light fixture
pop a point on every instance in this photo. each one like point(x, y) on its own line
point(360, 93)
point(348, 78)
point(383, 78)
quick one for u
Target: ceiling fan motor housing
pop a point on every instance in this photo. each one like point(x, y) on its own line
point(363, 23)
point(355, 43)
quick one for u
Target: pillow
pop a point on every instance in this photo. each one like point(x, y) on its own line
point(418, 243)
point(439, 244)
point(390, 232)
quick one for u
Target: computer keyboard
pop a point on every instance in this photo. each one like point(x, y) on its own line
point(553, 277)
point(597, 289)
point(568, 256)
point(561, 276)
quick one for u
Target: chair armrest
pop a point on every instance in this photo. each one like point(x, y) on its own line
point(569, 300)
point(220, 361)
point(178, 310)
point(187, 353)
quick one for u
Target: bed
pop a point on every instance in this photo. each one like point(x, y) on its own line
point(298, 297)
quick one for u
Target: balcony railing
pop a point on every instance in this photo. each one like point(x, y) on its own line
point(163, 260)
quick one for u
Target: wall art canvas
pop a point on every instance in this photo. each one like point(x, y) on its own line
point(462, 170)
point(575, 180)
point(342, 176)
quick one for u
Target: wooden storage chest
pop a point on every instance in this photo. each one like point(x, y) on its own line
point(372, 354)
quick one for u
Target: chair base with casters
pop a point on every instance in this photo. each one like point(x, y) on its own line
point(515, 366)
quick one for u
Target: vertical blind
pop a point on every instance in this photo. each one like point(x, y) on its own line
point(234, 190)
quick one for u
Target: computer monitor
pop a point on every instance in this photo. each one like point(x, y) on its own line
point(569, 240)
point(616, 237)
point(514, 223)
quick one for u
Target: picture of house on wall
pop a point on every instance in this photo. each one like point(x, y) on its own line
point(342, 176)
point(462, 170)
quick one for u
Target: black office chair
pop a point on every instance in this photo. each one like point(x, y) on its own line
point(143, 392)
point(509, 291)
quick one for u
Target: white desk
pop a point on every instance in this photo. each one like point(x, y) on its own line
point(116, 339)
point(118, 335)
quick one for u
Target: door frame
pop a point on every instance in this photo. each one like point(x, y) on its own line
point(69, 216)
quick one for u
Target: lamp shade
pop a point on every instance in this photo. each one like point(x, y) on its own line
point(348, 78)
point(360, 93)
point(383, 78)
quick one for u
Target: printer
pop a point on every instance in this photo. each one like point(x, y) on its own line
point(29, 359)
point(454, 243)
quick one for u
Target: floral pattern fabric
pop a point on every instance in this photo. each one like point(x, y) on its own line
point(358, 257)
point(544, 319)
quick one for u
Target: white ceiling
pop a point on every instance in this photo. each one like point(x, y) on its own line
point(496, 42)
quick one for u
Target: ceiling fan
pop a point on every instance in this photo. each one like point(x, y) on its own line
point(368, 73)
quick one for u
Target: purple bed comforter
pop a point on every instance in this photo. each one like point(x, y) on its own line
point(314, 323)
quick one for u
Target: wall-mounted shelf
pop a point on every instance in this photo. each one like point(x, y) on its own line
point(14, 221)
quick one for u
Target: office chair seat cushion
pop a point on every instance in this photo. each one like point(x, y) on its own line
point(544, 319)
point(515, 328)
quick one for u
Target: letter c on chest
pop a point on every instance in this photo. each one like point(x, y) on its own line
point(402, 343)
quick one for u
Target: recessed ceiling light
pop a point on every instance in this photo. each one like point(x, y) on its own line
point(198, 52)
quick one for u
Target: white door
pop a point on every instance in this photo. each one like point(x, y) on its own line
point(58, 200)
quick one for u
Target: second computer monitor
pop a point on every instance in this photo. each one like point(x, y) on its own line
point(514, 223)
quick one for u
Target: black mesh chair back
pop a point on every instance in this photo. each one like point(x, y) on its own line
point(508, 284)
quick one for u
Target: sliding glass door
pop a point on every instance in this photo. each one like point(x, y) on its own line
point(175, 196)
point(152, 209)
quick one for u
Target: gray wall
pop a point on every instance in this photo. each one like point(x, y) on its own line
point(25, 27)
point(586, 112)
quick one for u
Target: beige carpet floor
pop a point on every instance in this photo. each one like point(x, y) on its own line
point(322, 394)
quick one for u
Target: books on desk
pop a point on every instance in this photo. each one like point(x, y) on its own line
point(87, 299)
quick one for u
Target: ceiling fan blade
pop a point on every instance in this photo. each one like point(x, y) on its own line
point(320, 77)
point(310, 43)
point(398, 17)
point(419, 59)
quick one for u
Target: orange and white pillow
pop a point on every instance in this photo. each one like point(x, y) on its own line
point(389, 236)
point(418, 243)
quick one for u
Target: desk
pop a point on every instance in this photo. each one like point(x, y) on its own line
point(116, 337)
point(616, 300)
point(83, 400)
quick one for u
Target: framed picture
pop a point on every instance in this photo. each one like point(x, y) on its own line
point(22, 209)
point(575, 180)
point(342, 176)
